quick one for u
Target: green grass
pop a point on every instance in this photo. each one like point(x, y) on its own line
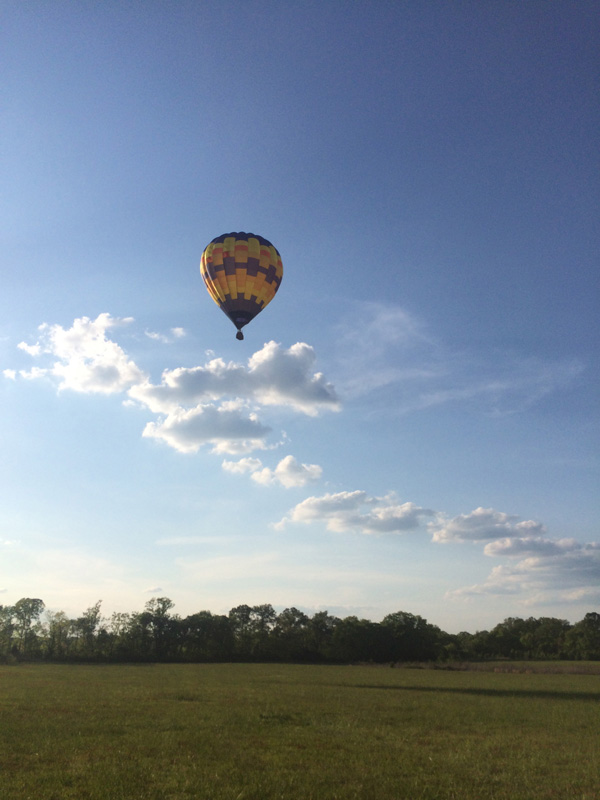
point(260, 732)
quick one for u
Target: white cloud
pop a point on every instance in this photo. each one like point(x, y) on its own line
point(587, 594)
point(226, 429)
point(157, 337)
point(175, 333)
point(273, 376)
point(530, 546)
point(480, 525)
point(31, 349)
point(242, 466)
point(288, 473)
point(11, 374)
point(88, 361)
point(203, 405)
point(285, 377)
point(207, 404)
point(542, 570)
point(34, 373)
point(565, 574)
point(346, 511)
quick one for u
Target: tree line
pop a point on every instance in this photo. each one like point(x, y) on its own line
point(29, 632)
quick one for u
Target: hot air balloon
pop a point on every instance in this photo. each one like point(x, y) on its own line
point(242, 272)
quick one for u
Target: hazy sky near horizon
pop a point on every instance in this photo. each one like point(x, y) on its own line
point(412, 424)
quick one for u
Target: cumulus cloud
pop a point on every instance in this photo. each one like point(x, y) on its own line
point(243, 466)
point(215, 404)
point(346, 511)
point(289, 472)
point(86, 359)
point(530, 546)
point(228, 430)
point(286, 377)
point(541, 569)
point(567, 572)
point(31, 349)
point(480, 525)
point(272, 376)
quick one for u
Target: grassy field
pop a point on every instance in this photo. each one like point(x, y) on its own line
point(260, 732)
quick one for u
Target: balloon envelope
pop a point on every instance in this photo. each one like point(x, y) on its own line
point(242, 273)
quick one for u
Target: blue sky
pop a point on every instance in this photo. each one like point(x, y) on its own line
point(412, 424)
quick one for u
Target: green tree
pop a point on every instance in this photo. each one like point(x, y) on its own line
point(206, 637)
point(240, 621)
point(85, 629)
point(547, 639)
point(414, 639)
point(291, 635)
point(118, 644)
point(320, 632)
point(357, 639)
point(163, 628)
point(583, 640)
point(58, 635)
point(263, 618)
point(138, 642)
point(509, 639)
point(465, 646)
point(251, 628)
point(6, 632)
point(26, 615)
